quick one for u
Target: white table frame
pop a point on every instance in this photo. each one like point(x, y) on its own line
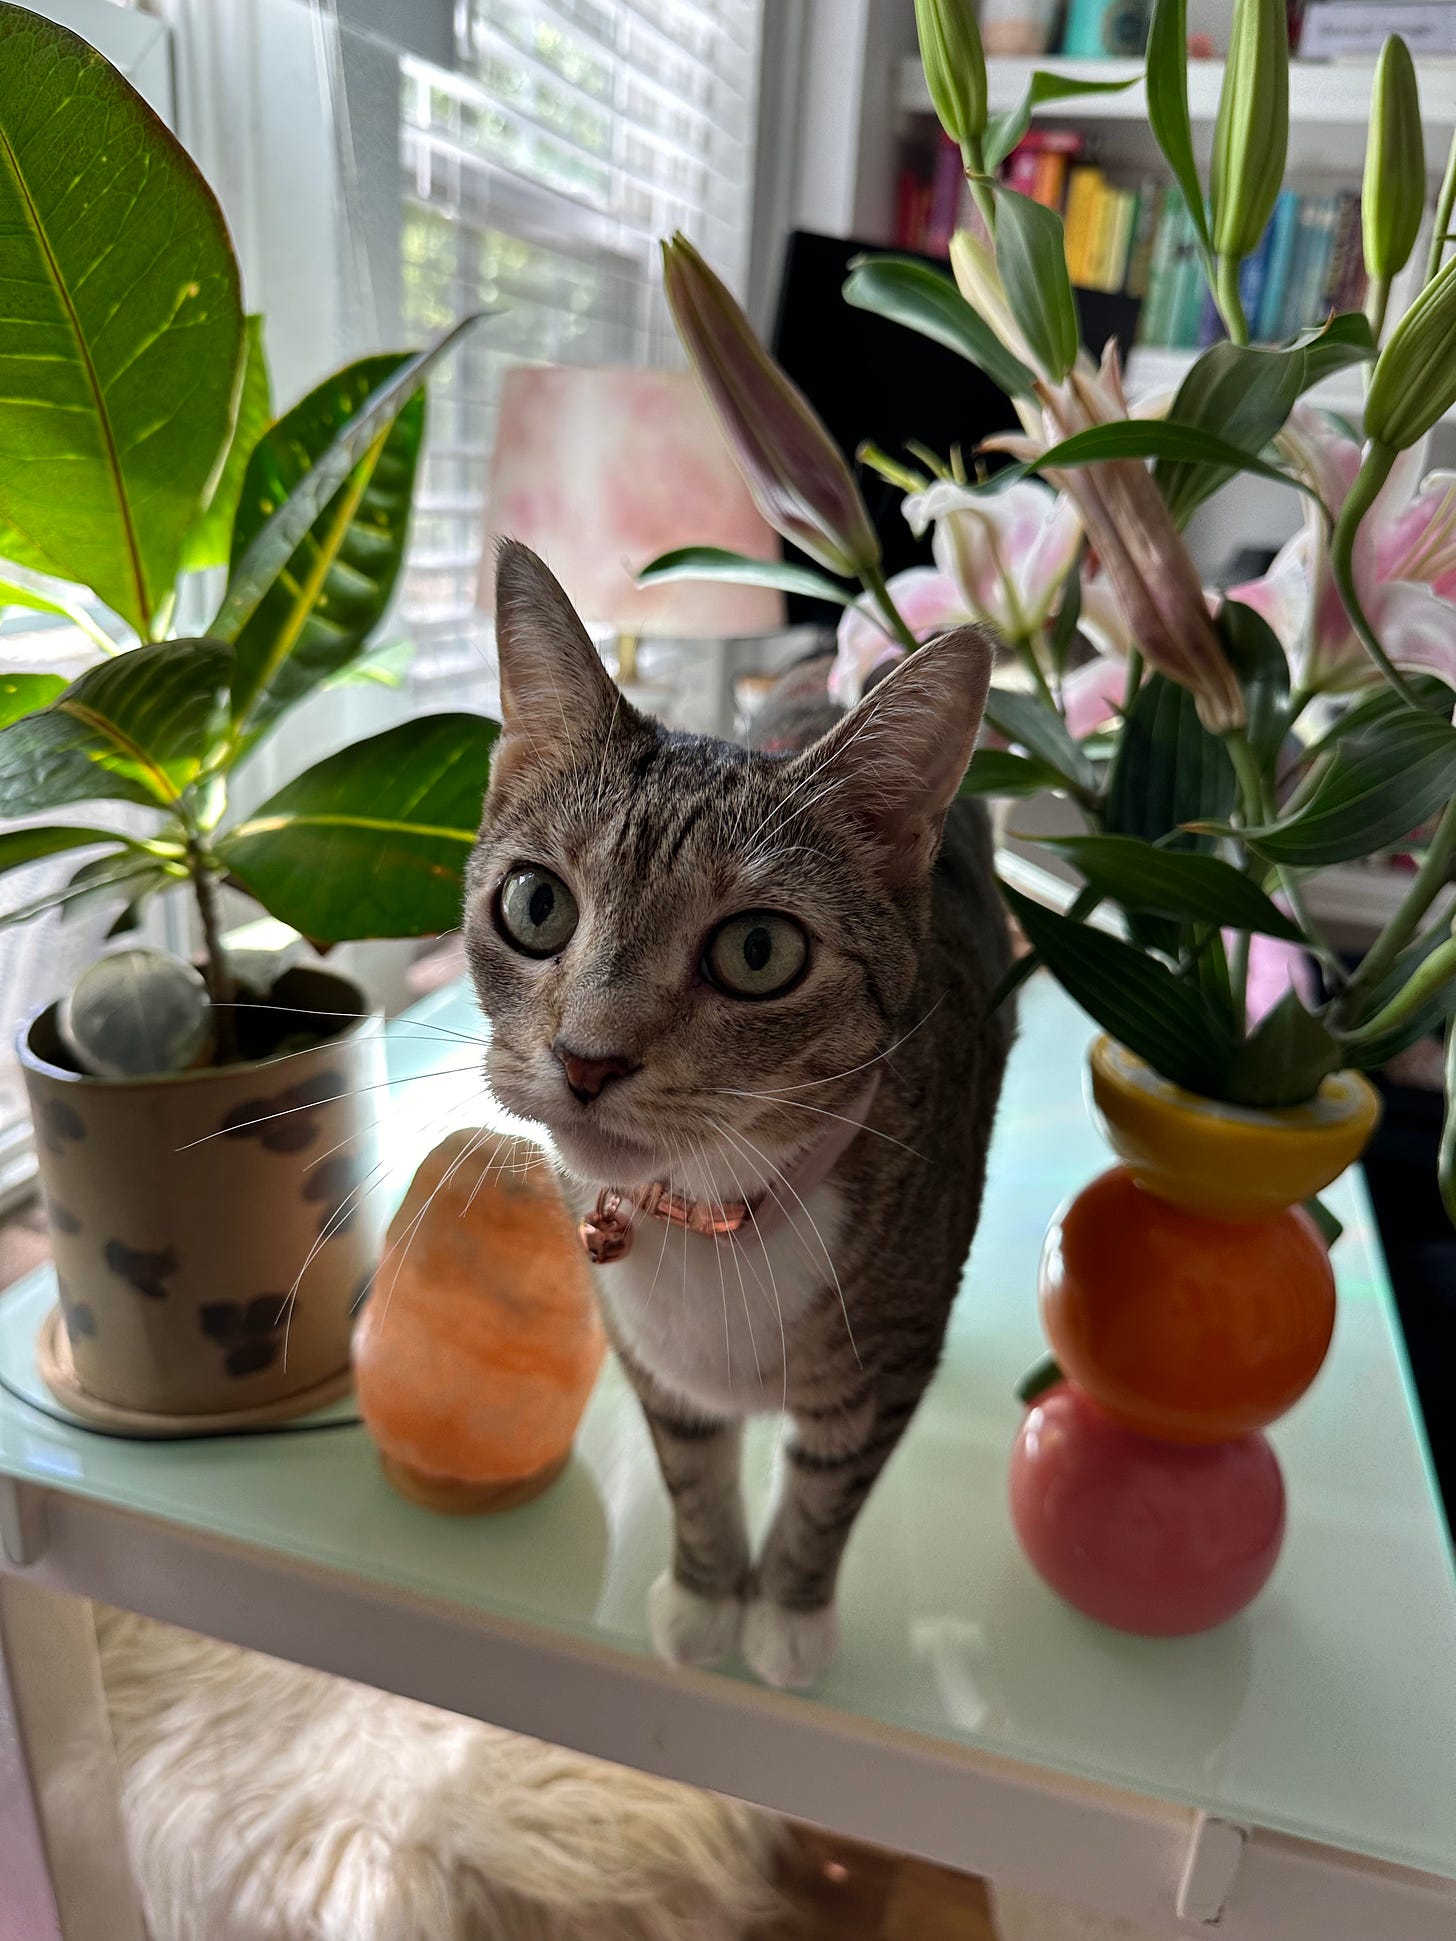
point(1175, 1871)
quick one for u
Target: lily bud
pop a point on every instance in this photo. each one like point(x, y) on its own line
point(955, 66)
point(793, 468)
point(1251, 135)
point(1413, 384)
point(1393, 194)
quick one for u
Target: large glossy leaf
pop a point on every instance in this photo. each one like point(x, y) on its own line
point(1179, 883)
point(24, 693)
point(1163, 1018)
point(910, 292)
point(717, 563)
point(1371, 1053)
point(1041, 731)
point(1242, 396)
point(210, 538)
point(996, 771)
point(272, 546)
point(121, 330)
point(1004, 131)
point(135, 729)
point(1158, 438)
point(371, 842)
point(1167, 84)
point(1168, 770)
point(1284, 1058)
point(332, 593)
point(14, 593)
point(21, 846)
point(1377, 789)
point(126, 873)
point(1262, 667)
point(1342, 342)
point(1031, 254)
point(1382, 705)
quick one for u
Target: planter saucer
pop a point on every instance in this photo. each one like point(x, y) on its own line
point(36, 1366)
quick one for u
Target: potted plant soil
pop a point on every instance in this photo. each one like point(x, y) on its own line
point(205, 1149)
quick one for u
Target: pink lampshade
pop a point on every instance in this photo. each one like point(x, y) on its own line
point(599, 471)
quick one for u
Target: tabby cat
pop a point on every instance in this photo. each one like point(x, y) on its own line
point(746, 993)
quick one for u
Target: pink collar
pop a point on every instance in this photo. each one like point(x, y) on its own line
point(606, 1232)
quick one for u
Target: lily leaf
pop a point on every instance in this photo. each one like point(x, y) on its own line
point(373, 841)
point(1345, 340)
point(910, 292)
point(1377, 788)
point(1284, 1059)
point(1163, 1018)
point(1371, 1053)
point(319, 611)
point(996, 771)
point(210, 537)
point(1031, 254)
point(1382, 705)
point(121, 329)
point(1042, 732)
point(1167, 82)
point(22, 694)
point(1168, 770)
point(717, 563)
point(1243, 396)
point(21, 846)
point(134, 729)
point(1159, 438)
point(1178, 883)
point(1004, 131)
point(1263, 670)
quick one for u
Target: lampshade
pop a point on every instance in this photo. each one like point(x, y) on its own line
point(599, 471)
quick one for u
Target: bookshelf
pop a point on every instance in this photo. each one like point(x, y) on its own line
point(1321, 93)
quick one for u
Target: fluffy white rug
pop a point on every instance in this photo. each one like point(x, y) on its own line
point(265, 1802)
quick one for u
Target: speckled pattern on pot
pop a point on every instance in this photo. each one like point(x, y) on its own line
point(184, 1208)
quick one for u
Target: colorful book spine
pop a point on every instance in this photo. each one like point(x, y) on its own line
point(1155, 321)
point(1083, 189)
point(1254, 272)
point(1284, 226)
point(1210, 322)
point(1312, 298)
point(1306, 244)
point(1049, 178)
point(1097, 269)
point(1021, 170)
point(945, 197)
point(1144, 240)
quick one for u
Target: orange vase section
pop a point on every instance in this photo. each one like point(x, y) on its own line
point(479, 1347)
point(1182, 1326)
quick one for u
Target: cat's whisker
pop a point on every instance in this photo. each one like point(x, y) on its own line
point(737, 1257)
point(814, 1224)
point(676, 1157)
point(773, 1283)
point(423, 1026)
point(520, 1164)
point(315, 1105)
point(781, 1092)
point(408, 1236)
point(801, 1105)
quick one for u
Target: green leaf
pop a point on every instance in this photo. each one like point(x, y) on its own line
point(1158, 438)
point(112, 875)
point(1262, 667)
point(381, 667)
point(1371, 1053)
point(1168, 770)
point(373, 841)
point(1330, 1225)
point(1242, 396)
point(135, 729)
point(273, 544)
point(1163, 1018)
point(1041, 731)
point(23, 693)
point(717, 563)
point(1167, 83)
point(1284, 1059)
point(121, 330)
point(1377, 789)
point(1064, 624)
point(1004, 131)
point(320, 610)
point(996, 771)
point(1178, 883)
point(1031, 254)
point(1382, 705)
point(13, 593)
point(21, 846)
point(1342, 342)
point(911, 293)
point(210, 537)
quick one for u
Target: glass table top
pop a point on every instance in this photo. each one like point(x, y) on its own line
point(1327, 1710)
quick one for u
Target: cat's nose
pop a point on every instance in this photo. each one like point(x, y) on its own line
point(589, 1077)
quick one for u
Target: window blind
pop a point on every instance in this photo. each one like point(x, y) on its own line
point(539, 177)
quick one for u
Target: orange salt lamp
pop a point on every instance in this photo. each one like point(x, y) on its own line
point(478, 1349)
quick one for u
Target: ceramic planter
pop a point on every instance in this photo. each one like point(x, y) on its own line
point(210, 1247)
point(1187, 1297)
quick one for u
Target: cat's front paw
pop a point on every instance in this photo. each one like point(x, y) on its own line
point(789, 1647)
point(689, 1629)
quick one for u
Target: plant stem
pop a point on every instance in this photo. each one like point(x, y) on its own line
point(220, 987)
point(1373, 473)
point(1230, 303)
point(1376, 303)
point(1445, 202)
point(973, 158)
point(1426, 886)
point(1134, 678)
point(874, 584)
point(1251, 791)
point(1027, 654)
point(1423, 985)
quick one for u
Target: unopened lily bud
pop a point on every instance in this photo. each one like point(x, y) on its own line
point(1393, 194)
point(1251, 135)
point(796, 473)
point(1413, 384)
point(955, 66)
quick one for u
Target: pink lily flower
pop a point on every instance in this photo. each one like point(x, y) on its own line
point(1008, 552)
point(1405, 566)
point(927, 600)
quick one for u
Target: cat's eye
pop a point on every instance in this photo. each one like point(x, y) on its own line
point(536, 910)
point(758, 954)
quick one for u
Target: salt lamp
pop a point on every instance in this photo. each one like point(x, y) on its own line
point(478, 1349)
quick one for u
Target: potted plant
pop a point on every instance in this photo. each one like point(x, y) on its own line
point(209, 1224)
point(1216, 752)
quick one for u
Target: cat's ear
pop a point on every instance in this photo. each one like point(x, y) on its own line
point(557, 700)
point(898, 758)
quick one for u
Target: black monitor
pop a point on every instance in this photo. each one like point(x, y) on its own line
point(872, 379)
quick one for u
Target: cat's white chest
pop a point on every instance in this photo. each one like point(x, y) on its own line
point(711, 1319)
